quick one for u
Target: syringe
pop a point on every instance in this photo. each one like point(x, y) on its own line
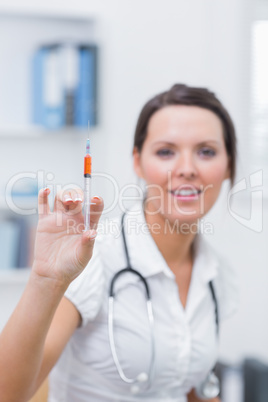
point(87, 188)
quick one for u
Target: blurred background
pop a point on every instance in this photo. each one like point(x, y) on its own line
point(124, 52)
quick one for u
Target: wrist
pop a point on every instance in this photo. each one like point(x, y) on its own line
point(40, 276)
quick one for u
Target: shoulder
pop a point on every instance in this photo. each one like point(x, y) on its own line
point(109, 245)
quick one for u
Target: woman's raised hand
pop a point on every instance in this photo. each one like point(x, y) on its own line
point(62, 248)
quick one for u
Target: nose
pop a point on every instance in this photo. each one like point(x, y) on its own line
point(185, 166)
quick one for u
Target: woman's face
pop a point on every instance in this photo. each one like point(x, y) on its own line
point(183, 162)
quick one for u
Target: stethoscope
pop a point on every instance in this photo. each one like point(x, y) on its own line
point(209, 388)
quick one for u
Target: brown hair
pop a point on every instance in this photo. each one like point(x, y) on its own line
point(180, 94)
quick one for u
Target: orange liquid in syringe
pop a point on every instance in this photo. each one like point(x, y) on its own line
point(87, 166)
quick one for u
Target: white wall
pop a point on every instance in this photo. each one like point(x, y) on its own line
point(146, 46)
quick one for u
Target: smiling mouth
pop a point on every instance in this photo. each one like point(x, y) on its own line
point(186, 194)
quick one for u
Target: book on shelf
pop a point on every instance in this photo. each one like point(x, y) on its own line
point(65, 85)
point(23, 249)
point(52, 97)
point(70, 68)
point(9, 243)
point(38, 64)
point(16, 243)
point(86, 93)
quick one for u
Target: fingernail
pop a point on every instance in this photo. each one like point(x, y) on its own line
point(96, 198)
point(78, 199)
point(45, 191)
point(67, 198)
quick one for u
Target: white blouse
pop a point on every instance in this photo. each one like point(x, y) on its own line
point(186, 342)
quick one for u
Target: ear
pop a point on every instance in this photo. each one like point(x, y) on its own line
point(137, 162)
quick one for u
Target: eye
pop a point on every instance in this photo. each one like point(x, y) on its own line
point(165, 152)
point(207, 152)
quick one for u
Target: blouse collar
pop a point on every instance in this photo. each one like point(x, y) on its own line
point(147, 259)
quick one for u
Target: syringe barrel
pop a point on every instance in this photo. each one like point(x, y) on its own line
point(87, 201)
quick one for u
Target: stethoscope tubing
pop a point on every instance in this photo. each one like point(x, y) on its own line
point(150, 314)
point(112, 342)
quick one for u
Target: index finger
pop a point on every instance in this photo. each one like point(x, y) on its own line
point(43, 204)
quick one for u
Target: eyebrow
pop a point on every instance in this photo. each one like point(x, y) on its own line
point(209, 141)
point(200, 143)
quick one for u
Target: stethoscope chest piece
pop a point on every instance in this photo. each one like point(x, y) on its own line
point(209, 388)
point(141, 378)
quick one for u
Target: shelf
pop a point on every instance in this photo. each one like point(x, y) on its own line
point(20, 202)
point(36, 132)
point(14, 276)
point(54, 16)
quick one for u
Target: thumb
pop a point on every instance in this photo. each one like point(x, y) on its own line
point(85, 247)
point(96, 209)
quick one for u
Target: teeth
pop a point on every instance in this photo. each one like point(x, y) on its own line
point(185, 192)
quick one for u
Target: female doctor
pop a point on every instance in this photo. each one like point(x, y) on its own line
point(129, 348)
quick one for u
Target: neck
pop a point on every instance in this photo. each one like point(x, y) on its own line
point(174, 245)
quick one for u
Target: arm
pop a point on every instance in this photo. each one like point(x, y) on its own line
point(193, 398)
point(64, 323)
point(27, 347)
point(22, 342)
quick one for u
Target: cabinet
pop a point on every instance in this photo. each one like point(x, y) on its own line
point(25, 148)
